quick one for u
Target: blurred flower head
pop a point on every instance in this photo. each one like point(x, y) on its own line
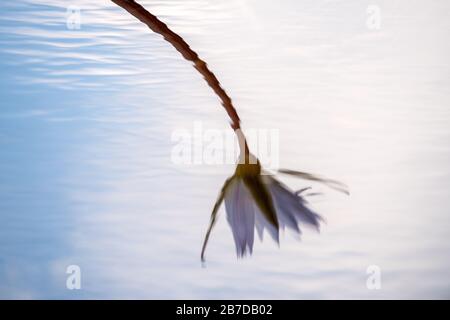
point(255, 200)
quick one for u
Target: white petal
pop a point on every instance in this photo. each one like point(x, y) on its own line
point(241, 216)
point(262, 224)
point(290, 207)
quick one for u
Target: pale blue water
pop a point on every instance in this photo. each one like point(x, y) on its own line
point(87, 115)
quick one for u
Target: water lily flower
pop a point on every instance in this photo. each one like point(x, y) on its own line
point(253, 199)
point(256, 200)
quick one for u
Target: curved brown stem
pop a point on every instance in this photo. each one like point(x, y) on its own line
point(182, 47)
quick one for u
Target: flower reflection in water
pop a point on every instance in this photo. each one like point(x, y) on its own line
point(253, 198)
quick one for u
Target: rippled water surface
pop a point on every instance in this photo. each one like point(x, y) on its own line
point(87, 116)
